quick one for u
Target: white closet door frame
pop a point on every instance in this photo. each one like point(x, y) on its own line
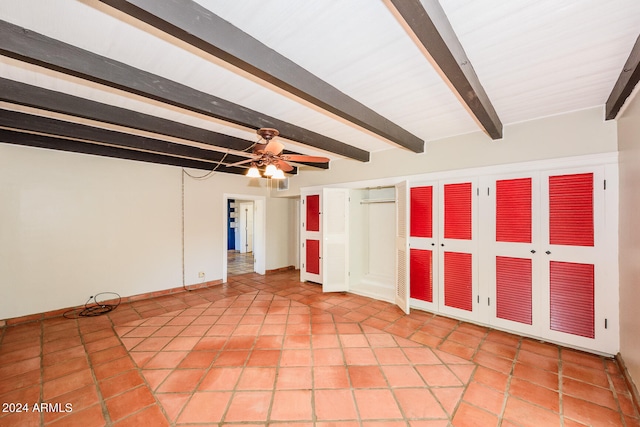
point(532, 251)
point(335, 239)
point(459, 246)
point(430, 244)
point(309, 235)
point(595, 255)
point(402, 246)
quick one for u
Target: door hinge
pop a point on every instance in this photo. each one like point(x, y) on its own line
point(478, 191)
point(478, 299)
point(605, 323)
point(605, 184)
point(489, 301)
point(487, 191)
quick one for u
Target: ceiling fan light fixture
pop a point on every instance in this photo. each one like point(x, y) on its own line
point(253, 172)
point(278, 174)
point(270, 170)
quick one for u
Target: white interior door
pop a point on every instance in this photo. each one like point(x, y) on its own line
point(513, 252)
point(402, 246)
point(311, 237)
point(572, 243)
point(335, 240)
point(458, 287)
point(246, 227)
point(423, 243)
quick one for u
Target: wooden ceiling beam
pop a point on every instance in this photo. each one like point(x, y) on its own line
point(45, 99)
point(625, 84)
point(193, 24)
point(34, 48)
point(59, 128)
point(428, 25)
point(62, 144)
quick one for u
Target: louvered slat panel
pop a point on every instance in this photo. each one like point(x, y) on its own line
point(421, 278)
point(401, 214)
point(571, 210)
point(313, 213)
point(513, 289)
point(513, 210)
point(458, 280)
point(313, 256)
point(421, 212)
point(457, 211)
point(572, 298)
point(401, 285)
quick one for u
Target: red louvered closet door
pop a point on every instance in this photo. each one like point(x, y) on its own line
point(423, 255)
point(311, 246)
point(458, 248)
point(513, 301)
point(572, 212)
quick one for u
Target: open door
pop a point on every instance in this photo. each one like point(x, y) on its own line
point(402, 246)
point(335, 240)
point(311, 236)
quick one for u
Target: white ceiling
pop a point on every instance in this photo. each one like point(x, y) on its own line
point(534, 58)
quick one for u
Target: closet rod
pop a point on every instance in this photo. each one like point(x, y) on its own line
point(380, 187)
point(366, 202)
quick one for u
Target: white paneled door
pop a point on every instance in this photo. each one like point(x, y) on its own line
point(402, 246)
point(458, 248)
point(335, 240)
point(573, 211)
point(423, 242)
point(512, 251)
point(311, 238)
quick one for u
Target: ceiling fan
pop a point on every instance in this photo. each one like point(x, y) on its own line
point(269, 154)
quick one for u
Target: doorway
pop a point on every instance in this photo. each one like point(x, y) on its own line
point(240, 258)
point(245, 252)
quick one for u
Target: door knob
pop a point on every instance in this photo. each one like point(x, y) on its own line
point(433, 244)
point(533, 251)
point(548, 252)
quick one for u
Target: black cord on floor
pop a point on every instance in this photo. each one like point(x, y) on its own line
point(96, 305)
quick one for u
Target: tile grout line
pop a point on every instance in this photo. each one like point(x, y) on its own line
point(615, 393)
point(509, 379)
point(275, 380)
point(103, 403)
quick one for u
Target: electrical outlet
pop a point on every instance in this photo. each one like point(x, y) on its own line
point(201, 274)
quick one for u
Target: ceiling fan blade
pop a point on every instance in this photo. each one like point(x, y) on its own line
point(241, 163)
point(274, 147)
point(284, 166)
point(301, 158)
point(259, 148)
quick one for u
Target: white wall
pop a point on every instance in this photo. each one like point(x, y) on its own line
point(629, 236)
point(281, 225)
point(579, 133)
point(72, 225)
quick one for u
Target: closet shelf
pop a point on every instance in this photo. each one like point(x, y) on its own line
point(369, 201)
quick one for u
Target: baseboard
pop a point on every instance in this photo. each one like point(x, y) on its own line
point(57, 313)
point(280, 270)
point(627, 378)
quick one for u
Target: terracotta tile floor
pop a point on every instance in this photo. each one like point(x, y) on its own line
point(239, 263)
point(269, 350)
